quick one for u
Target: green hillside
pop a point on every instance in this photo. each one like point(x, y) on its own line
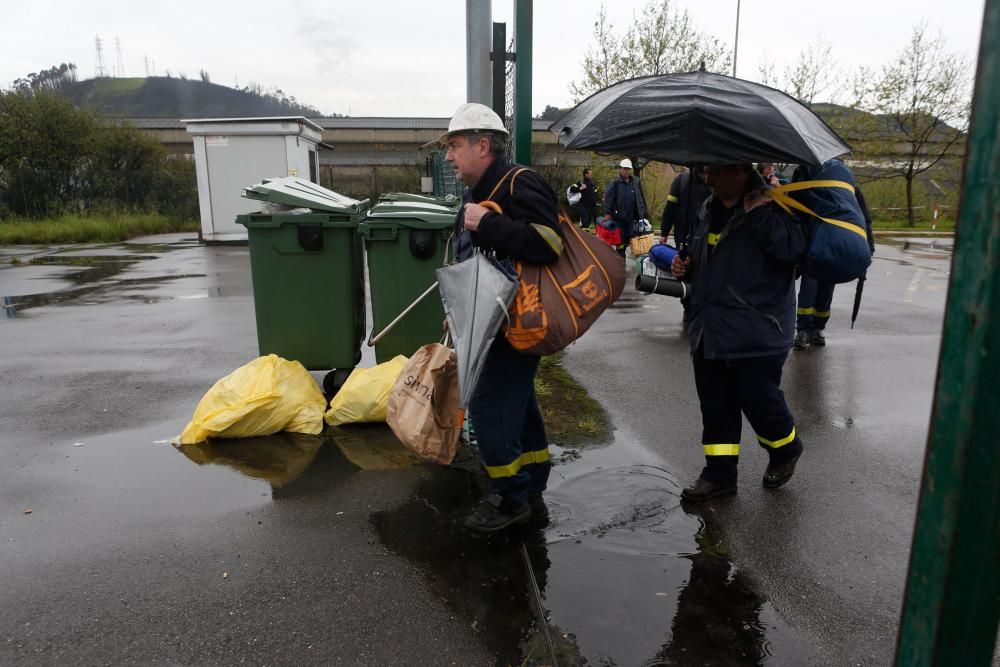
point(178, 98)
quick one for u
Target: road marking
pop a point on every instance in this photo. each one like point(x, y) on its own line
point(914, 285)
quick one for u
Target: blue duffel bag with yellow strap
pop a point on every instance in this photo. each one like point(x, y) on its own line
point(824, 198)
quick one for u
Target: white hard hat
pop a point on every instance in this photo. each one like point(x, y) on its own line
point(626, 164)
point(473, 117)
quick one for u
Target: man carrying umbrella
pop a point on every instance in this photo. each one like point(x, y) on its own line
point(503, 408)
point(742, 269)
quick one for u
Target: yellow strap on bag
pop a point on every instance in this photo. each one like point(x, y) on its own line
point(785, 201)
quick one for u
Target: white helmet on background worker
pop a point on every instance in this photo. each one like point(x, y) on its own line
point(474, 117)
point(625, 164)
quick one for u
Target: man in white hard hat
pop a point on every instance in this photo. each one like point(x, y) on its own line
point(624, 202)
point(504, 409)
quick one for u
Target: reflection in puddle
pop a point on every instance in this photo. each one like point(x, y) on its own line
point(627, 577)
point(276, 459)
point(18, 303)
point(88, 272)
point(283, 457)
point(372, 447)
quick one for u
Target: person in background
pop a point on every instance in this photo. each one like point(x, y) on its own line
point(769, 175)
point(684, 201)
point(504, 408)
point(588, 198)
point(815, 297)
point(624, 202)
point(742, 271)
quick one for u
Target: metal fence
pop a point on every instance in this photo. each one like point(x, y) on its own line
point(445, 182)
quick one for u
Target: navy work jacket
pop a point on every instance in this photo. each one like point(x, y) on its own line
point(743, 293)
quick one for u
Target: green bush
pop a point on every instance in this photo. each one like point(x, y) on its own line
point(56, 160)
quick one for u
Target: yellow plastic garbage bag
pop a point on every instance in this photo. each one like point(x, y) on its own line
point(365, 395)
point(267, 395)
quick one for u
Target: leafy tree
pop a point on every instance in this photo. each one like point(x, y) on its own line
point(550, 113)
point(660, 40)
point(44, 144)
point(56, 159)
point(920, 108)
point(53, 79)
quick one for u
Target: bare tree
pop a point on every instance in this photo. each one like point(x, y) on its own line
point(919, 106)
point(659, 40)
point(814, 73)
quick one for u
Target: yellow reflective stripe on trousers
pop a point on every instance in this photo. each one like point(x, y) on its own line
point(778, 443)
point(722, 450)
point(713, 238)
point(822, 313)
point(805, 311)
point(511, 469)
point(672, 199)
point(784, 200)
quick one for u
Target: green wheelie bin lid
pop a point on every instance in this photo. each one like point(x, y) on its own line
point(295, 191)
point(450, 201)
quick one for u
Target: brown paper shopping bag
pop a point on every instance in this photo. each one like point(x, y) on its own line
point(423, 406)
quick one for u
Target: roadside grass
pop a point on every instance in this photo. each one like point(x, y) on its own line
point(571, 415)
point(943, 225)
point(90, 229)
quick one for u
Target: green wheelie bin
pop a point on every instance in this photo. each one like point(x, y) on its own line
point(405, 242)
point(308, 287)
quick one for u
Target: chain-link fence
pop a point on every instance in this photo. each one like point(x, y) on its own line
point(445, 182)
point(508, 121)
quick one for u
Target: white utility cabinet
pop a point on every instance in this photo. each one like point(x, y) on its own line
point(233, 153)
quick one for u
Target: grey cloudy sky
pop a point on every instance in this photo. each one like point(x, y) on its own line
point(401, 57)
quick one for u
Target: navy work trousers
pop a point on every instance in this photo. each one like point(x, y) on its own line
point(509, 427)
point(752, 386)
point(814, 304)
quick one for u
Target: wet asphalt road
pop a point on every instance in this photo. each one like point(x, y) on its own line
point(132, 553)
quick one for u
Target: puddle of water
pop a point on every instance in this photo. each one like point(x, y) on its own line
point(628, 577)
point(73, 273)
point(372, 447)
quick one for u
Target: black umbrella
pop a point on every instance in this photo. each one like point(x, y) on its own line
point(698, 118)
point(857, 297)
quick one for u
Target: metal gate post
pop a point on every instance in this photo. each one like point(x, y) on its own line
point(522, 81)
point(952, 602)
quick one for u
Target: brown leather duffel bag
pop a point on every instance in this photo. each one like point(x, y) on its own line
point(557, 303)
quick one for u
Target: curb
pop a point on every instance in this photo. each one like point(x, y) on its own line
point(911, 233)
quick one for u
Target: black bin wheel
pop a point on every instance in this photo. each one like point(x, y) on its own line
point(334, 380)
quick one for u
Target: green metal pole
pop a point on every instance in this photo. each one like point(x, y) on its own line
point(522, 81)
point(499, 58)
point(952, 602)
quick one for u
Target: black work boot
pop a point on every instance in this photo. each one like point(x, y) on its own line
point(539, 510)
point(779, 473)
point(703, 490)
point(802, 339)
point(496, 513)
point(818, 338)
